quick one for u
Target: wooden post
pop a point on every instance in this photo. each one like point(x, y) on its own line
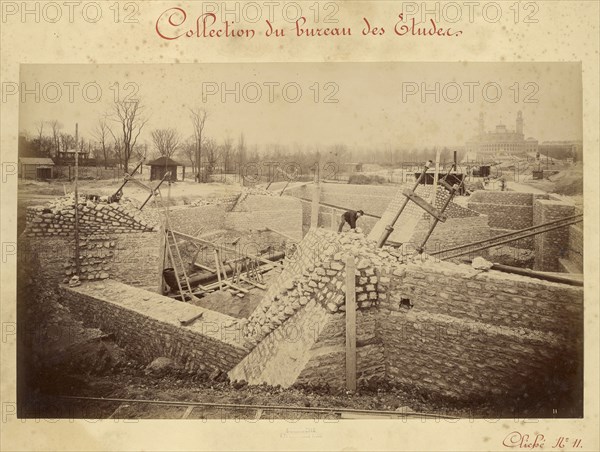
point(350, 324)
point(218, 269)
point(314, 214)
point(162, 244)
point(77, 263)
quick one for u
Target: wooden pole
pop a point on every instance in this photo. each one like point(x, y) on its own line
point(77, 263)
point(435, 177)
point(161, 258)
point(289, 237)
point(218, 269)
point(314, 214)
point(350, 324)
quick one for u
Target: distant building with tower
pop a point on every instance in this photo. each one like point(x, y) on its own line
point(500, 143)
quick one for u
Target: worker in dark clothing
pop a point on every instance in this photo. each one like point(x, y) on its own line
point(350, 217)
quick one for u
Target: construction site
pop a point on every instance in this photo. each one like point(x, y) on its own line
point(452, 297)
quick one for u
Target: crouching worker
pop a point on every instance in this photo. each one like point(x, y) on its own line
point(350, 217)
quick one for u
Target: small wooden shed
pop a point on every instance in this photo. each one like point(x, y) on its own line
point(161, 165)
point(36, 168)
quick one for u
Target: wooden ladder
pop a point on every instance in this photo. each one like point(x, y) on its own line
point(437, 214)
point(171, 244)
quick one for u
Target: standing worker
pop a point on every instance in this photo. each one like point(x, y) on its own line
point(350, 217)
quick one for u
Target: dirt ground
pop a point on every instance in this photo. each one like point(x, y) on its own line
point(567, 182)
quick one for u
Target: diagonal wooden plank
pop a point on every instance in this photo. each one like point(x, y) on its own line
point(188, 411)
point(350, 324)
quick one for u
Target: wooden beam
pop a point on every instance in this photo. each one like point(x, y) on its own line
point(424, 205)
point(333, 206)
point(161, 259)
point(286, 186)
point(233, 286)
point(141, 184)
point(224, 248)
point(190, 408)
point(350, 324)
point(218, 271)
point(255, 284)
point(289, 237)
point(204, 267)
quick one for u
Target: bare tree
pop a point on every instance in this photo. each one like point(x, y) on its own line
point(226, 153)
point(212, 151)
point(101, 133)
point(129, 115)
point(67, 141)
point(188, 149)
point(118, 146)
point(198, 117)
point(56, 135)
point(44, 144)
point(40, 130)
point(166, 141)
point(241, 150)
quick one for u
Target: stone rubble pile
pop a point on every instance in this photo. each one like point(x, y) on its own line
point(260, 191)
point(213, 201)
point(57, 218)
point(323, 279)
point(238, 198)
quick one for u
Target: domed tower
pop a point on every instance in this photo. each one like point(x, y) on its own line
point(520, 122)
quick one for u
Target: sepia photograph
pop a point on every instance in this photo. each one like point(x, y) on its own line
point(301, 241)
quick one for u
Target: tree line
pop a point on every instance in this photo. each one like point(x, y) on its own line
point(114, 140)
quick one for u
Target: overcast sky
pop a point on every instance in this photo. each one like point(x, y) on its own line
point(378, 104)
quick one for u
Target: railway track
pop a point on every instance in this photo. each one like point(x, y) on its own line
point(117, 408)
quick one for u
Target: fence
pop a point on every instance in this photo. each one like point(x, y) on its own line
point(87, 172)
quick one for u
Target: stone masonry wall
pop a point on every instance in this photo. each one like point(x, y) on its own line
point(471, 336)
point(136, 259)
point(575, 246)
point(453, 232)
point(435, 327)
point(327, 363)
point(147, 325)
point(115, 239)
point(553, 245)
point(502, 198)
point(511, 217)
point(128, 257)
point(505, 210)
point(525, 243)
